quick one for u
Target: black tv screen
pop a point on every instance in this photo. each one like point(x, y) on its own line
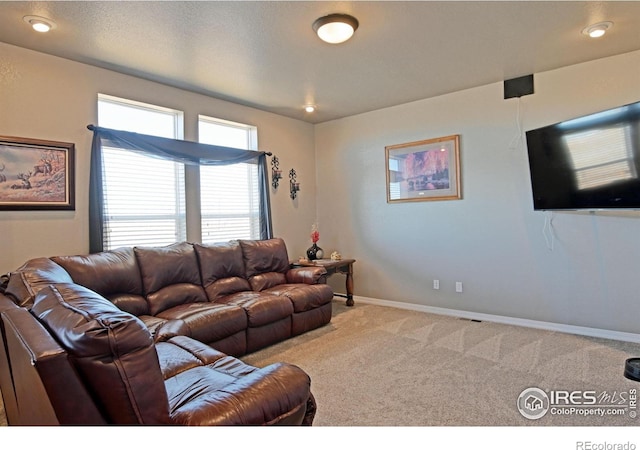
point(591, 162)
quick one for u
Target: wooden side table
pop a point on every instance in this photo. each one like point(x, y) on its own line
point(342, 266)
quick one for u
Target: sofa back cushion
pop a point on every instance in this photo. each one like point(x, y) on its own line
point(32, 276)
point(113, 274)
point(170, 276)
point(266, 262)
point(221, 269)
point(112, 350)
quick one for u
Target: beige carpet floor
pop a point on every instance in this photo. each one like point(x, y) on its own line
point(380, 366)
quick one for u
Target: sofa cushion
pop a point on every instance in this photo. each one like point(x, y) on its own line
point(221, 269)
point(261, 308)
point(109, 347)
point(32, 276)
point(208, 322)
point(269, 255)
point(266, 262)
point(206, 387)
point(175, 295)
point(263, 281)
point(304, 297)
point(170, 276)
point(113, 274)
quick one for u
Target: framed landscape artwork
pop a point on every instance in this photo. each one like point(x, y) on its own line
point(424, 170)
point(36, 174)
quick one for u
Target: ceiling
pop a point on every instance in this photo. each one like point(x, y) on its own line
point(265, 54)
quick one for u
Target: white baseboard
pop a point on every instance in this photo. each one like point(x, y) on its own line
point(551, 326)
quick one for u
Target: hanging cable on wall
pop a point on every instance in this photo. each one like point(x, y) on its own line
point(548, 231)
point(518, 138)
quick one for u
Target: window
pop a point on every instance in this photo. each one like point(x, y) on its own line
point(138, 181)
point(229, 195)
point(144, 198)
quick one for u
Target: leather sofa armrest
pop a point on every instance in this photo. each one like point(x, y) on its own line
point(307, 275)
point(276, 394)
point(48, 390)
point(171, 328)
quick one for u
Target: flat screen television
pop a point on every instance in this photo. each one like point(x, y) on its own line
point(588, 163)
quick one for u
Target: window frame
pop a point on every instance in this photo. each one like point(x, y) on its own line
point(178, 217)
point(252, 215)
point(191, 155)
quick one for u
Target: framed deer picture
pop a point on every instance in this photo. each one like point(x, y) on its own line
point(36, 174)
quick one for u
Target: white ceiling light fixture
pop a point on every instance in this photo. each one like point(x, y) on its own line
point(335, 28)
point(597, 29)
point(309, 108)
point(40, 24)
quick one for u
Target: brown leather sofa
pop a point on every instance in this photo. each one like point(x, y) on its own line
point(143, 335)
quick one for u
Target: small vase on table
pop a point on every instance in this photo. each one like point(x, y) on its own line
point(314, 252)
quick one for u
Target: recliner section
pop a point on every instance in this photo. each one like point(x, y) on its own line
point(79, 360)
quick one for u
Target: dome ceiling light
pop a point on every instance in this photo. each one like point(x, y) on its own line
point(40, 24)
point(597, 29)
point(335, 28)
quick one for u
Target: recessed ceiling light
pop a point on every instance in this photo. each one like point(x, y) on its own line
point(335, 28)
point(40, 24)
point(309, 108)
point(597, 29)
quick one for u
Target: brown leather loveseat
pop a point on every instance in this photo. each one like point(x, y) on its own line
point(143, 335)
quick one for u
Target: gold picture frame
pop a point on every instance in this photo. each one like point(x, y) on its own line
point(36, 174)
point(425, 170)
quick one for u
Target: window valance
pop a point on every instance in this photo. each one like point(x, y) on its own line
point(185, 152)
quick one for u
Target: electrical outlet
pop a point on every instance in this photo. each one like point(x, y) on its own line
point(436, 284)
point(458, 286)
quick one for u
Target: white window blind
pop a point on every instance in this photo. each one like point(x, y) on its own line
point(144, 198)
point(229, 195)
point(229, 202)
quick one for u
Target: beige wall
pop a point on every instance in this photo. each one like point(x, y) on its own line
point(491, 240)
point(50, 98)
